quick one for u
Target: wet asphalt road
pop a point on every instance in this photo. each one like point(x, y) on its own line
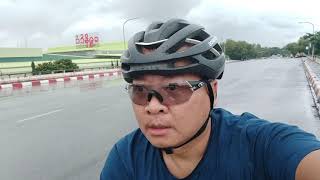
point(64, 132)
point(276, 90)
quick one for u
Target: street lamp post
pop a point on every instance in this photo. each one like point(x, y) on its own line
point(313, 36)
point(124, 37)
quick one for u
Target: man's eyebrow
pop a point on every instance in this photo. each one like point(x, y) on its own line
point(138, 84)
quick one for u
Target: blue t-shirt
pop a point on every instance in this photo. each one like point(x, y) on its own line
point(240, 147)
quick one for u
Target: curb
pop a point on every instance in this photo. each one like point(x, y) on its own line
point(21, 85)
point(314, 84)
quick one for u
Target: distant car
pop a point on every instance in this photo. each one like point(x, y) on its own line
point(299, 55)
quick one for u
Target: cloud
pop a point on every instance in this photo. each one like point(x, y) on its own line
point(270, 23)
point(46, 23)
point(151, 9)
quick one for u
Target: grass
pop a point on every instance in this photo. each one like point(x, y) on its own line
point(103, 46)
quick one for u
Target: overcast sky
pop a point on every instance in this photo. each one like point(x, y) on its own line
point(50, 23)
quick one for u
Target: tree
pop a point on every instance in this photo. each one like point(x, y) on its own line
point(65, 64)
point(315, 40)
point(303, 42)
point(56, 66)
point(293, 48)
point(33, 67)
point(240, 50)
point(232, 49)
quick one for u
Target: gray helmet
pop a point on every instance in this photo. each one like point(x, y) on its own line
point(205, 54)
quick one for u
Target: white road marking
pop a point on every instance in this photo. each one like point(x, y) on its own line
point(85, 77)
point(44, 82)
point(24, 84)
point(38, 116)
point(60, 80)
point(7, 86)
point(103, 107)
point(73, 78)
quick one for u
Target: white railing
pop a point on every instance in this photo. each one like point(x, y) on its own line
point(30, 77)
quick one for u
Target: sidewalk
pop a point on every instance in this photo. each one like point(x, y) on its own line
point(315, 66)
point(23, 82)
point(312, 70)
point(7, 80)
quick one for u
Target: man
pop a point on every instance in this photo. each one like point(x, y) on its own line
point(172, 70)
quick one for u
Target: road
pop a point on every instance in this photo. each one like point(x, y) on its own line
point(272, 89)
point(64, 132)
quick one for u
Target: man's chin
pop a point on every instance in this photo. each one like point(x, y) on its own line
point(161, 141)
point(159, 144)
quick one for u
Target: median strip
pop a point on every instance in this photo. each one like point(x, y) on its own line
point(314, 84)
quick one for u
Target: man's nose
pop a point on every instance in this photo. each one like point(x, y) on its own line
point(155, 94)
point(155, 105)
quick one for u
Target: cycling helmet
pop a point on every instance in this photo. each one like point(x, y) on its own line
point(205, 54)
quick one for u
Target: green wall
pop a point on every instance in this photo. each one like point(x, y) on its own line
point(20, 52)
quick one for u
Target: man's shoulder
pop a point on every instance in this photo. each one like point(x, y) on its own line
point(271, 148)
point(226, 118)
point(249, 124)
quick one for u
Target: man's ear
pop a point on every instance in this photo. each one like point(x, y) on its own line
point(214, 85)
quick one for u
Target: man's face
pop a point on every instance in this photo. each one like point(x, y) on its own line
point(170, 125)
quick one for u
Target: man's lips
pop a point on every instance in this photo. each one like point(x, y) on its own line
point(158, 130)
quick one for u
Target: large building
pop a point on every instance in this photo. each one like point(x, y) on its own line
point(20, 54)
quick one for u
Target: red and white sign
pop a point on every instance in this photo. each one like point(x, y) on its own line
point(87, 40)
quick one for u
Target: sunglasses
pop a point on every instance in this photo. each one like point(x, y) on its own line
point(168, 94)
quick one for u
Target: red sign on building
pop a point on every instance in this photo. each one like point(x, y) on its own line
point(87, 40)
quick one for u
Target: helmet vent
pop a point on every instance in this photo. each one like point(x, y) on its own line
point(218, 48)
point(179, 26)
point(209, 55)
point(183, 63)
point(125, 66)
point(199, 38)
point(176, 47)
point(157, 26)
point(147, 47)
point(153, 26)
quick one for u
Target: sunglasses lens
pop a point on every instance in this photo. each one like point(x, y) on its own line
point(138, 94)
point(172, 95)
point(176, 94)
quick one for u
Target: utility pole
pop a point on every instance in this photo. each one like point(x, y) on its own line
point(123, 34)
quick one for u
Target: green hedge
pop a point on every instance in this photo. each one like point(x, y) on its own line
point(55, 66)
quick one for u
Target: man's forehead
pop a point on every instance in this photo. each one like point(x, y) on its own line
point(153, 79)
